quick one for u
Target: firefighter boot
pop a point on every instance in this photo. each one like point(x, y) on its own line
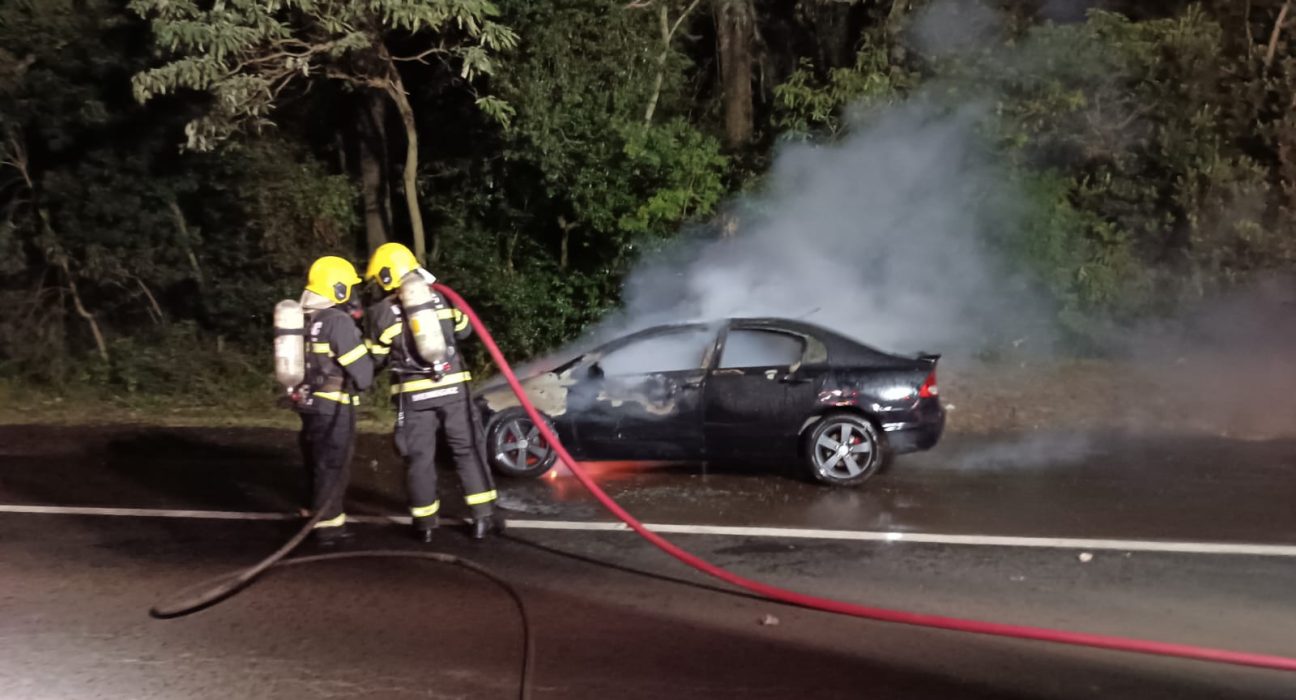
point(487, 523)
point(331, 536)
point(425, 527)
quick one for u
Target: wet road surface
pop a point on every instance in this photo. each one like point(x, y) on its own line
point(1160, 488)
point(74, 590)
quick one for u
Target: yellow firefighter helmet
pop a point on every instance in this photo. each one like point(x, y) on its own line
point(332, 278)
point(389, 264)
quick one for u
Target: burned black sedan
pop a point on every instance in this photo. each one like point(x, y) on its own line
point(744, 390)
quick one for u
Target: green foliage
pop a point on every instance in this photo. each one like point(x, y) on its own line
point(1085, 263)
point(678, 168)
point(1139, 148)
point(177, 360)
point(808, 103)
point(269, 201)
point(1153, 149)
point(245, 54)
point(542, 222)
point(581, 81)
point(80, 209)
point(531, 304)
point(96, 199)
point(1153, 139)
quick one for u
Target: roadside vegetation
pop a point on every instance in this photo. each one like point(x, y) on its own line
point(168, 169)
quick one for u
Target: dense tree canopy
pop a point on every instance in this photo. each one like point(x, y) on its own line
point(168, 169)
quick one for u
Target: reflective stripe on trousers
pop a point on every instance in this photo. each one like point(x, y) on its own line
point(426, 511)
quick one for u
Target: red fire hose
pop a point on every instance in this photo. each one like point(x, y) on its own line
point(781, 595)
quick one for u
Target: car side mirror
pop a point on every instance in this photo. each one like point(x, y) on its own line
point(595, 371)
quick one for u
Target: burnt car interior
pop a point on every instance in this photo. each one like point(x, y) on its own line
point(650, 387)
point(668, 389)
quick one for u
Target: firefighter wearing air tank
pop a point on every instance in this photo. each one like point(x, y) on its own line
point(415, 330)
point(323, 362)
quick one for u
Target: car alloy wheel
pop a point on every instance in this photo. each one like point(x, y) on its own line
point(516, 446)
point(845, 450)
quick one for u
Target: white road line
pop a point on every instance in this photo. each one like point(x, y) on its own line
point(184, 514)
point(144, 513)
point(1261, 550)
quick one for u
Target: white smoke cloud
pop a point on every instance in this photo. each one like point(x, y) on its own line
point(1030, 452)
point(890, 236)
point(953, 27)
point(886, 236)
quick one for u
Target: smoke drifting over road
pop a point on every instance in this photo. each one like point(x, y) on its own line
point(1031, 452)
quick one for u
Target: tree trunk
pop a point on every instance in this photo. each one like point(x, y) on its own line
point(186, 240)
point(155, 309)
point(667, 33)
point(396, 90)
point(1272, 52)
point(664, 21)
point(90, 319)
point(373, 170)
point(734, 34)
point(896, 21)
point(565, 242)
point(509, 246)
point(61, 260)
point(728, 225)
point(896, 17)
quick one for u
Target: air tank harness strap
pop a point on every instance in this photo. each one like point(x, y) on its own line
point(425, 384)
point(420, 307)
point(339, 396)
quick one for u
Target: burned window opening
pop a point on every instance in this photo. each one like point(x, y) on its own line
point(747, 348)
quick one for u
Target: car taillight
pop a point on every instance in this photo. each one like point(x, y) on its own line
point(929, 388)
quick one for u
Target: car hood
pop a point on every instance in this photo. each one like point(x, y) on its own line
point(547, 391)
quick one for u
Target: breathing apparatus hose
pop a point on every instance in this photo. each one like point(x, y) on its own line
point(774, 593)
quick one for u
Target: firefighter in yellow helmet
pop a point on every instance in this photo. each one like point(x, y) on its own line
point(338, 368)
point(430, 394)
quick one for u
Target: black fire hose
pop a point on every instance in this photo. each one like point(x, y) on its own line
point(205, 594)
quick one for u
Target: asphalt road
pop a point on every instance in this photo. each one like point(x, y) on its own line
point(614, 618)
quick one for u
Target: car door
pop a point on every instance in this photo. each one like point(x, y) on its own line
point(643, 399)
point(758, 394)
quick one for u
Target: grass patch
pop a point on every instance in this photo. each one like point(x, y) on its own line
point(27, 404)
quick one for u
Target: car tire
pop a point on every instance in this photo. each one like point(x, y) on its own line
point(867, 451)
point(514, 446)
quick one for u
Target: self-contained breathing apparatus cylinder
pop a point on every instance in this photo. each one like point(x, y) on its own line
point(289, 343)
point(421, 317)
